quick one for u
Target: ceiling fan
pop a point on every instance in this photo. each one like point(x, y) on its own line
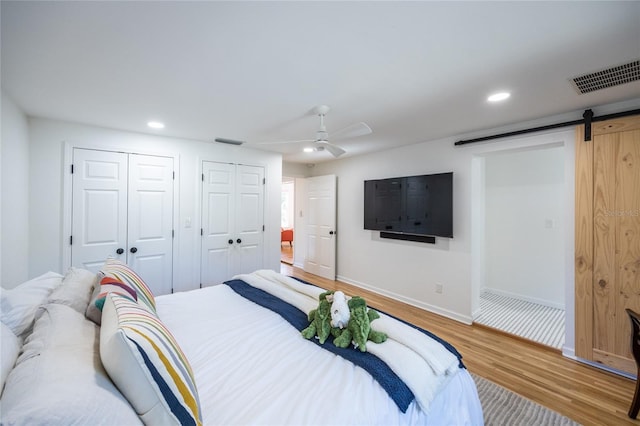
point(321, 140)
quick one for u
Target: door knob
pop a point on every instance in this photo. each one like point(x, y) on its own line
point(133, 250)
point(120, 251)
point(230, 241)
point(238, 241)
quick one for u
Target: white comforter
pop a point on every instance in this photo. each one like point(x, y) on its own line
point(252, 367)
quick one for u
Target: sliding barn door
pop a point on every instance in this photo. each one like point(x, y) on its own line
point(607, 241)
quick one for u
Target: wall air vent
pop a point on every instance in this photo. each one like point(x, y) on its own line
point(607, 78)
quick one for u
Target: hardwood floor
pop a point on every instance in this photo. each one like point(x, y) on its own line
point(286, 253)
point(585, 394)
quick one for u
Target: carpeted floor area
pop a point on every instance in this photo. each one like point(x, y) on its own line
point(503, 407)
point(532, 321)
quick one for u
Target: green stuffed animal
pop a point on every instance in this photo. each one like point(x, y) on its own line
point(320, 319)
point(359, 327)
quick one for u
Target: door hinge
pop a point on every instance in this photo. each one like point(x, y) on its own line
point(174, 176)
point(201, 231)
point(203, 177)
point(70, 240)
point(200, 285)
point(173, 233)
point(262, 228)
point(264, 181)
point(71, 168)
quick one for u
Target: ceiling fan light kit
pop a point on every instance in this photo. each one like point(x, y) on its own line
point(322, 136)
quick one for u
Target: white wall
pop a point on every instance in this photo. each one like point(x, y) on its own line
point(48, 139)
point(296, 170)
point(409, 271)
point(14, 198)
point(525, 224)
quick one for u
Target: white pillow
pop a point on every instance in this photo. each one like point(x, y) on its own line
point(65, 383)
point(19, 304)
point(75, 290)
point(10, 345)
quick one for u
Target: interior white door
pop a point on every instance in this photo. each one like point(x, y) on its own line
point(150, 220)
point(249, 218)
point(122, 207)
point(320, 232)
point(218, 222)
point(232, 221)
point(99, 208)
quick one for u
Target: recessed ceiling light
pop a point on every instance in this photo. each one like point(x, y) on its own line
point(497, 97)
point(155, 125)
point(308, 149)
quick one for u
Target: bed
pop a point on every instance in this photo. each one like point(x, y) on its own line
point(227, 354)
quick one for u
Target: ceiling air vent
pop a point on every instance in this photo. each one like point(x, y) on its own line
point(607, 78)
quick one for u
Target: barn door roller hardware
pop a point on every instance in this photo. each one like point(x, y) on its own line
point(587, 120)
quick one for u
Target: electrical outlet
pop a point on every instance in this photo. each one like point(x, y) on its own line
point(439, 288)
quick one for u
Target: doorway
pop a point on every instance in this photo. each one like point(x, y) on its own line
point(524, 244)
point(287, 226)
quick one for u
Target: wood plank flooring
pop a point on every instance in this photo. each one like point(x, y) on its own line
point(585, 394)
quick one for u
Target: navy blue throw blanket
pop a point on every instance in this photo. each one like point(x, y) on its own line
point(379, 370)
point(443, 342)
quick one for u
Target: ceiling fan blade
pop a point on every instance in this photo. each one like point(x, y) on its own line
point(352, 131)
point(284, 142)
point(336, 151)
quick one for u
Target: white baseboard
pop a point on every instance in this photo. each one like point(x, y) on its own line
point(475, 314)
point(410, 301)
point(542, 302)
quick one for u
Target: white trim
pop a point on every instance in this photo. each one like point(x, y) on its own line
point(410, 301)
point(475, 314)
point(517, 296)
point(197, 244)
point(67, 199)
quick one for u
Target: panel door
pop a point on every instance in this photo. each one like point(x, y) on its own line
point(218, 222)
point(607, 273)
point(150, 220)
point(320, 233)
point(99, 207)
point(249, 216)
point(616, 267)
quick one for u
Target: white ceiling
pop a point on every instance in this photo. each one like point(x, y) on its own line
point(413, 71)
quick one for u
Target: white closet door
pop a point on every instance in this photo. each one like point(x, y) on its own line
point(249, 218)
point(99, 207)
point(150, 223)
point(232, 221)
point(122, 206)
point(218, 221)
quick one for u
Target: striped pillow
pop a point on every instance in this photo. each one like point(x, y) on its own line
point(121, 271)
point(107, 285)
point(147, 365)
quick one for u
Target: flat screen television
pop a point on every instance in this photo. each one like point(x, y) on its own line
point(416, 205)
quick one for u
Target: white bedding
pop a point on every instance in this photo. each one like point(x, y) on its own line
point(252, 367)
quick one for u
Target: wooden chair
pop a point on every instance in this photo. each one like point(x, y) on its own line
point(635, 349)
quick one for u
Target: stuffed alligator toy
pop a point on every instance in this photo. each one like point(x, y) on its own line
point(358, 329)
point(320, 319)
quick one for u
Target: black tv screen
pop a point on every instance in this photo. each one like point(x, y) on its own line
point(417, 205)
